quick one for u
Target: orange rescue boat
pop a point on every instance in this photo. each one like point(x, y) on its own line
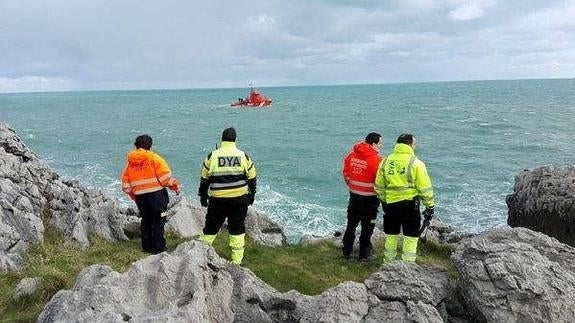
point(254, 99)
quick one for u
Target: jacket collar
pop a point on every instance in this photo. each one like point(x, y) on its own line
point(228, 144)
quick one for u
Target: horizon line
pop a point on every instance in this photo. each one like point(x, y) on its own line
point(278, 86)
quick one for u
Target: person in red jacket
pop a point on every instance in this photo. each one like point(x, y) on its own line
point(359, 171)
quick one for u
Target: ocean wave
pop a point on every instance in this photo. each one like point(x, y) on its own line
point(298, 218)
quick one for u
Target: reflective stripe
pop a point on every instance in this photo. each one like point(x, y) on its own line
point(409, 256)
point(126, 185)
point(149, 190)
point(390, 255)
point(208, 238)
point(425, 190)
point(224, 173)
point(362, 184)
point(220, 185)
point(379, 187)
point(144, 181)
point(165, 177)
point(409, 249)
point(363, 193)
point(237, 244)
point(409, 167)
point(399, 188)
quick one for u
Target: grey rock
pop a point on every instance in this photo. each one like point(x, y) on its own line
point(10, 261)
point(347, 302)
point(398, 280)
point(440, 232)
point(264, 230)
point(544, 200)
point(186, 218)
point(516, 275)
point(193, 284)
point(409, 311)
point(33, 197)
point(26, 287)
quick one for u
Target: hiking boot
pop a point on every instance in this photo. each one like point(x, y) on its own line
point(346, 252)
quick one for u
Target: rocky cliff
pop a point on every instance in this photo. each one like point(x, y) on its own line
point(543, 200)
point(505, 275)
point(33, 197)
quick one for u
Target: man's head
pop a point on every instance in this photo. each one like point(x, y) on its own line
point(406, 138)
point(373, 138)
point(144, 142)
point(229, 134)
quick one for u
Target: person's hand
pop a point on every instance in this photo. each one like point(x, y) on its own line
point(251, 198)
point(428, 213)
point(132, 196)
point(426, 222)
point(204, 201)
point(175, 188)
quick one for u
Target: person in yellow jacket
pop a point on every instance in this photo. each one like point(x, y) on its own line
point(227, 187)
point(401, 182)
point(145, 178)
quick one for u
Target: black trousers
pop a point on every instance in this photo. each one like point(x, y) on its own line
point(234, 209)
point(402, 215)
point(361, 209)
point(151, 206)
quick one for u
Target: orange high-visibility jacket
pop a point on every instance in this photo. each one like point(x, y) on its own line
point(360, 168)
point(146, 172)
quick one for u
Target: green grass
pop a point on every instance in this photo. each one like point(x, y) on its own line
point(308, 269)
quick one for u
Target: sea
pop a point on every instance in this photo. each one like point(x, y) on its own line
point(474, 137)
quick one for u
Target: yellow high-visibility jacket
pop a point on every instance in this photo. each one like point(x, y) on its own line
point(403, 177)
point(229, 172)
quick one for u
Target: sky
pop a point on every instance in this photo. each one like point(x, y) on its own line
point(62, 45)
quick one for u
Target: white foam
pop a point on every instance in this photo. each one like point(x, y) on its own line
point(296, 217)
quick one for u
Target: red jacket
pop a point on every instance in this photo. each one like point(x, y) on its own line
point(360, 167)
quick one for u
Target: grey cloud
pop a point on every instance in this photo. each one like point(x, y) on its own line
point(131, 44)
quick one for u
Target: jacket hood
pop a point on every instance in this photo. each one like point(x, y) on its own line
point(403, 149)
point(139, 155)
point(364, 149)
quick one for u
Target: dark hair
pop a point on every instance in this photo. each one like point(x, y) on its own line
point(405, 138)
point(229, 134)
point(372, 138)
point(143, 141)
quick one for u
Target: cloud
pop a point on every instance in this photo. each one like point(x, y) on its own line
point(468, 11)
point(471, 9)
point(134, 44)
point(35, 84)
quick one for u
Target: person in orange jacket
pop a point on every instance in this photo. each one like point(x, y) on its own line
point(145, 178)
point(359, 171)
